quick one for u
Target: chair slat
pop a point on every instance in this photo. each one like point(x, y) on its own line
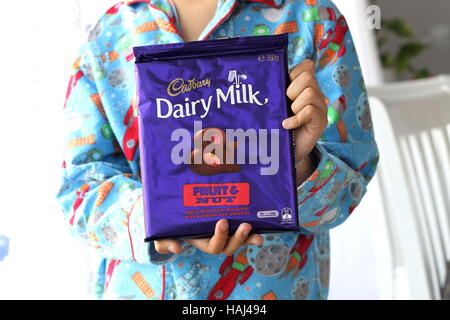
point(419, 207)
point(431, 187)
point(416, 178)
point(439, 187)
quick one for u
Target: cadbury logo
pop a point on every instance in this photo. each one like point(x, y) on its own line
point(179, 85)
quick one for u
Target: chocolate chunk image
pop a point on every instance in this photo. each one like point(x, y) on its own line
point(211, 149)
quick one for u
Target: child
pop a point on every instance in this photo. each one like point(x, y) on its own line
point(101, 190)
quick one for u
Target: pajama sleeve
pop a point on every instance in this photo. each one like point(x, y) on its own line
point(347, 153)
point(100, 195)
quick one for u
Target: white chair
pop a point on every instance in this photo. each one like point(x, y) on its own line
point(412, 128)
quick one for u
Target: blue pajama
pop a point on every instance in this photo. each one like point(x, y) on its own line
point(101, 188)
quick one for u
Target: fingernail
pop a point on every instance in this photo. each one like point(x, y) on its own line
point(245, 232)
point(171, 249)
point(286, 123)
point(257, 241)
point(223, 226)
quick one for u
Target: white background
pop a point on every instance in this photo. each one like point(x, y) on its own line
point(40, 41)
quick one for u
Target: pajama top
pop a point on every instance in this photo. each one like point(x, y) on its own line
point(101, 190)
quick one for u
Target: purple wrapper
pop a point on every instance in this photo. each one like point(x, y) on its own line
point(211, 141)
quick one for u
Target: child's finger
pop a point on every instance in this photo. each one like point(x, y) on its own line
point(308, 114)
point(167, 246)
point(220, 238)
point(238, 239)
point(305, 80)
point(201, 244)
point(305, 65)
point(254, 239)
point(309, 96)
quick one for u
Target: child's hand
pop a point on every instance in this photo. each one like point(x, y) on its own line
point(220, 243)
point(309, 107)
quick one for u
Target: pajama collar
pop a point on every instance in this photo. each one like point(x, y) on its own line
point(273, 3)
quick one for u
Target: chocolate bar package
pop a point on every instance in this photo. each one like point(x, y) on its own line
point(211, 141)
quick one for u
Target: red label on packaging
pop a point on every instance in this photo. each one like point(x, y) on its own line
point(216, 194)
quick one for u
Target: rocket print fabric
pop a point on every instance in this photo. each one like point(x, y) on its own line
point(101, 190)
